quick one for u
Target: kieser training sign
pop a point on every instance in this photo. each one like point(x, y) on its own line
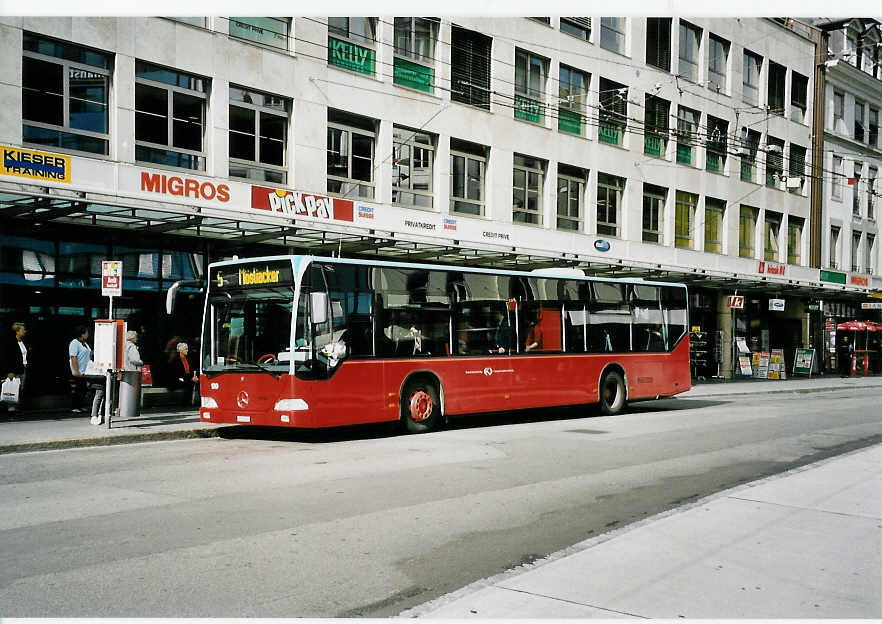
point(24, 163)
point(296, 204)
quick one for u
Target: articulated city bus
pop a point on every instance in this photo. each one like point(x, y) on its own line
point(305, 341)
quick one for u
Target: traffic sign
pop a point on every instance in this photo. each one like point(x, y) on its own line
point(111, 278)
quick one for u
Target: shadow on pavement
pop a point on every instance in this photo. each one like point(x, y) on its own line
point(470, 421)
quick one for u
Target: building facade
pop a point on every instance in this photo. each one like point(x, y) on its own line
point(515, 142)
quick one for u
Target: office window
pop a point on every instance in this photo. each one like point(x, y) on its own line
point(576, 26)
point(351, 142)
point(359, 29)
point(749, 149)
point(572, 94)
point(838, 112)
point(794, 239)
point(64, 94)
point(470, 68)
point(713, 224)
point(873, 134)
point(658, 42)
point(774, 161)
point(570, 193)
point(777, 82)
point(871, 192)
point(544, 20)
point(653, 210)
point(770, 239)
point(834, 247)
point(859, 121)
point(528, 178)
point(684, 219)
point(413, 158)
point(690, 44)
point(856, 251)
point(687, 127)
point(753, 64)
point(798, 97)
point(169, 116)
point(351, 42)
point(613, 112)
point(796, 170)
point(415, 38)
point(468, 163)
point(656, 123)
point(612, 33)
point(269, 31)
point(717, 62)
point(530, 74)
point(717, 144)
point(855, 186)
point(746, 231)
point(258, 135)
point(414, 64)
point(609, 200)
point(869, 253)
point(836, 178)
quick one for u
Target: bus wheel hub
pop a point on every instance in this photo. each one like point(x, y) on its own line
point(421, 406)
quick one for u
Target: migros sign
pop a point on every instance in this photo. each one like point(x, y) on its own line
point(182, 186)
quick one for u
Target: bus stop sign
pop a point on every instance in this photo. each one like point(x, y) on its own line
point(111, 278)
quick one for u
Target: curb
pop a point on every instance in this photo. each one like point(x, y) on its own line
point(781, 391)
point(158, 436)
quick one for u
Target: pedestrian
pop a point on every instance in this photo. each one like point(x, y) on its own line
point(843, 356)
point(80, 355)
point(183, 374)
point(132, 355)
point(15, 360)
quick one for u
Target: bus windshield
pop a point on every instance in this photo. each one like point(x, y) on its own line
point(250, 329)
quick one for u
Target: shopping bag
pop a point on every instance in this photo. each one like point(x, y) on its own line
point(9, 390)
point(146, 376)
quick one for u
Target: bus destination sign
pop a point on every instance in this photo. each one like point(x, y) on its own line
point(257, 275)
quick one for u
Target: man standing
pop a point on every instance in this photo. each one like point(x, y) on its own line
point(80, 354)
point(15, 363)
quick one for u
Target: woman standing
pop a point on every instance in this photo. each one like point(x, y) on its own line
point(15, 364)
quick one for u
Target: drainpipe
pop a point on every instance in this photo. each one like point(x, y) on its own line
point(820, 38)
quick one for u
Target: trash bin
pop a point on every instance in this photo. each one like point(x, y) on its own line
point(130, 394)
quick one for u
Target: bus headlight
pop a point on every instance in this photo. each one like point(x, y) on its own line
point(209, 402)
point(291, 405)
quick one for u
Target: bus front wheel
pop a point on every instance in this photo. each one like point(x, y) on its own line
point(420, 406)
point(612, 393)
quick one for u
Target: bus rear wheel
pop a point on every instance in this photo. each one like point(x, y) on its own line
point(420, 406)
point(612, 393)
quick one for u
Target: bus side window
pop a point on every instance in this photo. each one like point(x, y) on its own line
point(610, 328)
point(674, 312)
point(646, 318)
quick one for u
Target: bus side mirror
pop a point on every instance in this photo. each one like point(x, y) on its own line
point(318, 307)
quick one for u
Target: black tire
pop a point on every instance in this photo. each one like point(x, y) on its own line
point(612, 393)
point(420, 406)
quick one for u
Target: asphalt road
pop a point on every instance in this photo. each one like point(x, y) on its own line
point(359, 522)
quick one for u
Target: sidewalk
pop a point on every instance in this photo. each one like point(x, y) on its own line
point(804, 544)
point(42, 430)
point(46, 431)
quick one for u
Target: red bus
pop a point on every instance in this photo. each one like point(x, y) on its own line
point(304, 341)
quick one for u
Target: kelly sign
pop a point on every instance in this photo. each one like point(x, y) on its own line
point(111, 278)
